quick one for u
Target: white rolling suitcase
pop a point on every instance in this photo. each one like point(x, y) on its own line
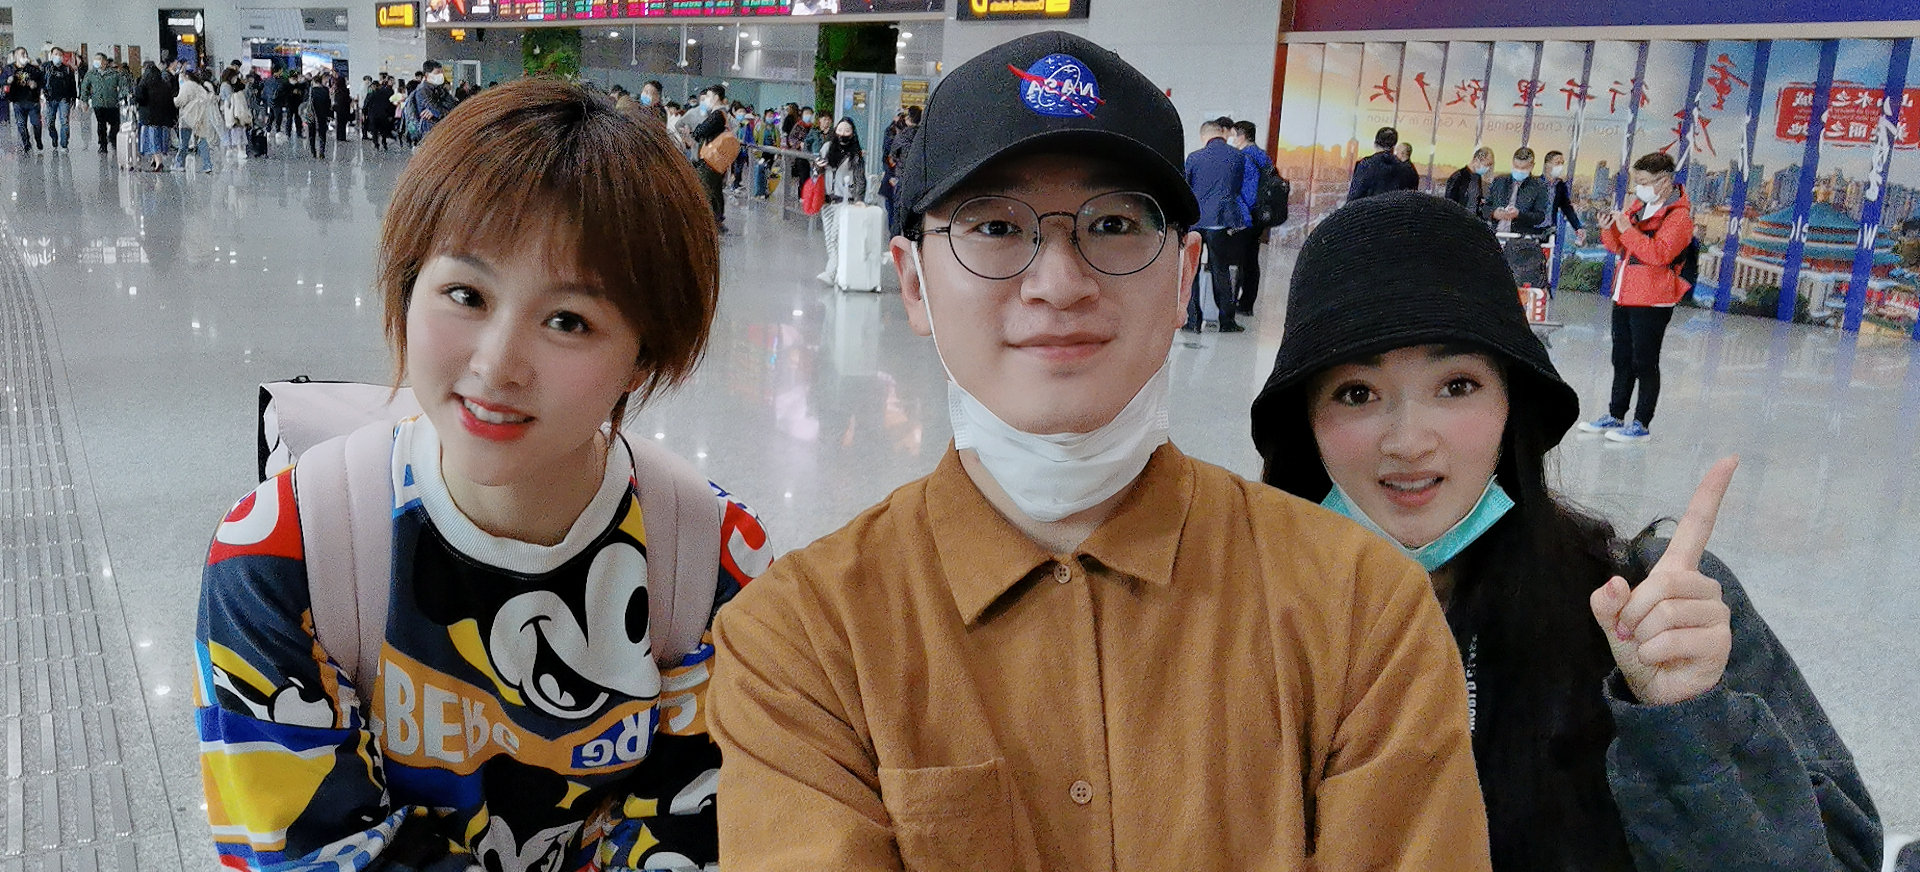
point(128, 144)
point(862, 257)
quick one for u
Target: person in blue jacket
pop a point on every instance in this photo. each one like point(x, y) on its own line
point(1630, 709)
point(1216, 173)
point(1247, 283)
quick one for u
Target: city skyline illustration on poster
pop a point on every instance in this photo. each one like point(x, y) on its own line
point(1801, 158)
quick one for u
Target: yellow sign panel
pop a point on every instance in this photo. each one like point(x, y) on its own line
point(913, 92)
point(397, 15)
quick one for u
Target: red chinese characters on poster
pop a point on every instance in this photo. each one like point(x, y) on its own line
point(1853, 115)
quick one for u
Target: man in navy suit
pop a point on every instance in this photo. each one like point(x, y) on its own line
point(1215, 173)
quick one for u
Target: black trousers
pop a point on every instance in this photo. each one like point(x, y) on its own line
point(1221, 245)
point(1638, 332)
point(711, 181)
point(317, 135)
point(1248, 260)
point(106, 125)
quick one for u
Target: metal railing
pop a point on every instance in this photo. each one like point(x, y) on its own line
point(786, 194)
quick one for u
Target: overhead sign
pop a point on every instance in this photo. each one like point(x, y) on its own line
point(1020, 10)
point(397, 15)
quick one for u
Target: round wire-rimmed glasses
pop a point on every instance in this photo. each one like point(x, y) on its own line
point(1118, 233)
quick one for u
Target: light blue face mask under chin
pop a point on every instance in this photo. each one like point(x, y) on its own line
point(1493, 505)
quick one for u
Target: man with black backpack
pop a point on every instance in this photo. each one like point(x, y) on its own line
point(1264, 193)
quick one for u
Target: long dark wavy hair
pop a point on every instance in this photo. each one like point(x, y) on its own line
point(1521, 600)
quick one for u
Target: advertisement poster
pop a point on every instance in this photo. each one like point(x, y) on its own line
point(1801, 158)
point(1421, 72)
point(1463, 100)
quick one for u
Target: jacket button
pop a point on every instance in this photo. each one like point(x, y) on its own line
point(1061, 573)
point(1081, 793)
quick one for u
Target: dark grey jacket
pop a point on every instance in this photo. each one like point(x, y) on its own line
point(1534, 199)
point(1747, 776)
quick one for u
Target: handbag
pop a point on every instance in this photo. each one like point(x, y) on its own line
point(720, 152)
point(813, 195)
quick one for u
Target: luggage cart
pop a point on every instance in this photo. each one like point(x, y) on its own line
point(1536, 300)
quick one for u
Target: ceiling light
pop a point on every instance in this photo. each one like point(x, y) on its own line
point(615, 34)
point(693, 42)
point(906, 36)
point(756, 43)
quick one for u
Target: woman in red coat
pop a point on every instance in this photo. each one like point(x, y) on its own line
point(1649, 234)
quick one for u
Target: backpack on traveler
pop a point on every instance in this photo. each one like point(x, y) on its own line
point(1688, 263)
point(1270, 198)
point(341, 434)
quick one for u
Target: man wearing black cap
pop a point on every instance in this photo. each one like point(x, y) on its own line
point(1072, 646)
point(1381, 172)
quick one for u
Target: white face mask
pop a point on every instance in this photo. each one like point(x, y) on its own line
point(1647, 194)
point(436, 79)
point(1560, 171)
point(1055, 476)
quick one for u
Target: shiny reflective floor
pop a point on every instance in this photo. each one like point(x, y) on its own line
point(146, 308)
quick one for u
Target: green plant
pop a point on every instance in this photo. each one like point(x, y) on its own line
point(1764, 301)
point(865, 48)
point(551, 51)
point(1579, 275)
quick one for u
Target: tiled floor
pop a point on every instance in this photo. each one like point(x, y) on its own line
point(163, 300)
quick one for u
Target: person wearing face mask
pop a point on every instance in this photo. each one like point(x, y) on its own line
point(1468, 185)
point(743, 126)
point(25, 83)
point(431, 101)
point(1521, 205)
point(1072, 646)
point(843, 166)
point(1556, 166)
point(699, 126)
point(63, 88)
point(103, 89)
point(652, 105)
point(1649, 233)
point(766, 134)
point(799, 137)
point(1520, 201)
point(1630, 709)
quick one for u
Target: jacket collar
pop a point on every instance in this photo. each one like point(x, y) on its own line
point(1675, 198)
point(982, 555)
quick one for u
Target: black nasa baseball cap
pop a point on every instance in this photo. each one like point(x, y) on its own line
point(1046, 92)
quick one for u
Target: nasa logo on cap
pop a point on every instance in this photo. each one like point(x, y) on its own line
point(1059, 86)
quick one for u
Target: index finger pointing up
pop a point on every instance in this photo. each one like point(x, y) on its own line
point(1696, 526)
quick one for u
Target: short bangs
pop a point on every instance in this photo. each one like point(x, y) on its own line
point(608, 201)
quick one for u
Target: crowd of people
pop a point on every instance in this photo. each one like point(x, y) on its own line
point(176, 110)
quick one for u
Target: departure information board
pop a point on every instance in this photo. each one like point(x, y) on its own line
point(507, 11)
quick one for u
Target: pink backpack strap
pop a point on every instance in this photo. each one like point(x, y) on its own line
point(681, 516)
point(344, 489)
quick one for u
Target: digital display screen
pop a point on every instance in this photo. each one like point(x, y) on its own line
point(465, 11)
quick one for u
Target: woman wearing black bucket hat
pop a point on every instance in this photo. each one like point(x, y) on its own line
point(1657, 725)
